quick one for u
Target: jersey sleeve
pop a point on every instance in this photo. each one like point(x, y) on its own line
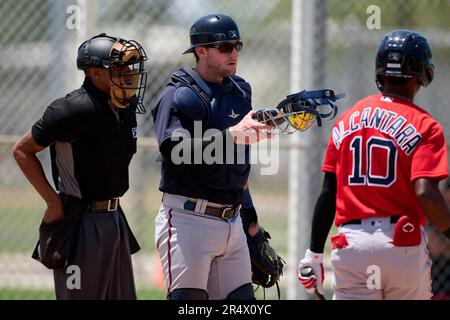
point(169, 123)
point(430, 158)
point(60, 122)
point(331, 154)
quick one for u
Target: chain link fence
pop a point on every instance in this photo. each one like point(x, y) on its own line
point(39, 41)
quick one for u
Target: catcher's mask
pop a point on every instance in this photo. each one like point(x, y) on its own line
point(125, 61)
point(299, 111)
point(128, 76)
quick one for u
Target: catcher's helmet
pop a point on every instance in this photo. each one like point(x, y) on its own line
point(404, 53)
point(213, 28)
point(129, 78)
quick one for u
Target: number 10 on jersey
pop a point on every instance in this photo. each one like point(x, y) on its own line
point(375, 159)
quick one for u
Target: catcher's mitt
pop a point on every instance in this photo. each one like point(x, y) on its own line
point(267, 265)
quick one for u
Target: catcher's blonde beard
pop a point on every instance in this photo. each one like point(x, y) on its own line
point(219, 70)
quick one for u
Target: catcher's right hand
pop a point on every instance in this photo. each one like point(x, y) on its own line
point(314, 261)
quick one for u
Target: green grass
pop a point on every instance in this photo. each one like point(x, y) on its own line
point(31, 294)
point(26, 294)
point(19, 228)
point(151, 294)
point(142, 294)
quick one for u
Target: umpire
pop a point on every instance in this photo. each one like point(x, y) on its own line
point(92, 133)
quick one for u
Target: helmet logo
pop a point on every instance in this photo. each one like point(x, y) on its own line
point(395, 56)
point(233, 33)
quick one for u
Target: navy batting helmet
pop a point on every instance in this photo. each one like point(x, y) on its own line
point(213, 28)
point(404, 53)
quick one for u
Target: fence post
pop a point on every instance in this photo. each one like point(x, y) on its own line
point(307, 72)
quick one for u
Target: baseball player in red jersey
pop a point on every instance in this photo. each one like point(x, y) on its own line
point(384, 160)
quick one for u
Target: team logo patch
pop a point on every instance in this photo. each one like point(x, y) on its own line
point(134, 132)
point(233, 115)
point(408, 227)
point(232, 33)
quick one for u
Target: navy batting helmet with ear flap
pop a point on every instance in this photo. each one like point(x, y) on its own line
point(213, 28)
point(404, 53)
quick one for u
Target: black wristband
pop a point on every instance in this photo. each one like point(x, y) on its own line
point(447, 233)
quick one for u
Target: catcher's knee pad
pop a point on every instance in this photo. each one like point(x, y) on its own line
point(244, 292)
point(188, 294)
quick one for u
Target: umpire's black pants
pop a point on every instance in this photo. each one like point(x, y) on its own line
point(100, 267)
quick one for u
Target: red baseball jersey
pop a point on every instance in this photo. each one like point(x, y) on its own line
point(377, 149)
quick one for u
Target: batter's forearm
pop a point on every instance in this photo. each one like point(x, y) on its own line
point(324, 212)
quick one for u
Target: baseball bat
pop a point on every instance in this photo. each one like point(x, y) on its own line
point(308, 272)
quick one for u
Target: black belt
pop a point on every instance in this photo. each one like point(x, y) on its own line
point(90, 206)
point(394, 219)
point(105, 205)
point(225, 213)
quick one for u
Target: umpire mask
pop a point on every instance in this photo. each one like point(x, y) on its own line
point(128, 76)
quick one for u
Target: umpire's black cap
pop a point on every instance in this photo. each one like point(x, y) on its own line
point(95, 52)
point(213, 28)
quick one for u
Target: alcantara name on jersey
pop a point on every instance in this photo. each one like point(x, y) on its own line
point(388, 122)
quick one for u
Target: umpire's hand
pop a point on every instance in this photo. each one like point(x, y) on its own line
point(249, 131)
point(55, 210)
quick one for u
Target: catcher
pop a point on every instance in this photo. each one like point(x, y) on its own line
point(199, 234)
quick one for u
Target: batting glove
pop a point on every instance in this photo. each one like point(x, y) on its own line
point(310, 271)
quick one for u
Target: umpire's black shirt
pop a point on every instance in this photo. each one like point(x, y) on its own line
point(91, 143)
